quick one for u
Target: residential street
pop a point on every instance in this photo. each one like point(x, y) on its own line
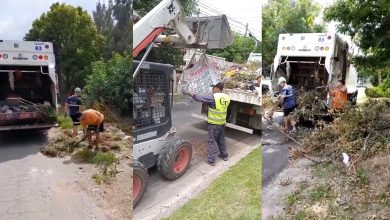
point(36, 187)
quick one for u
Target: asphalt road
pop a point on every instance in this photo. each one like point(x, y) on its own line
point(275, 150)
point(162, 196)
point(36, 187)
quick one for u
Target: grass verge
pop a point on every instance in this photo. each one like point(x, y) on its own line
point(236, 194)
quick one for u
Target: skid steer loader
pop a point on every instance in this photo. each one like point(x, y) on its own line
point(155, 142)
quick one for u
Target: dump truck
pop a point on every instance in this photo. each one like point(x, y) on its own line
point(244, 111)
point(28, 85)
point(314, 60)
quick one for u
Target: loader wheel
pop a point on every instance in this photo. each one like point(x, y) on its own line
point(140, 181)
point(174, 159)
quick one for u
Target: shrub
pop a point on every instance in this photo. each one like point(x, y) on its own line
point(111, 83)
point(65, 122)
point(382, 90)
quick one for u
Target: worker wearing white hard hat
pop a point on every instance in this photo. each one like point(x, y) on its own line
point(288, 103)
point(281, 80)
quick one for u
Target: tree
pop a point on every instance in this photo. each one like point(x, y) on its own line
point(287, 16)
point(114, 22)
point(240, 49)
point(76, 42)
point(110, 83)
point(164, 55)
point(143, 7)
point(367, 22)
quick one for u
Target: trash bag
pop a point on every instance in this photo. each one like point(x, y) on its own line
point(198, 77)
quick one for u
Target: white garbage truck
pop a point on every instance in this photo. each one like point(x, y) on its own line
point(28, 85)
point(314, 60)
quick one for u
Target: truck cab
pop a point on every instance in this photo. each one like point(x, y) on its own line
point(28, 85)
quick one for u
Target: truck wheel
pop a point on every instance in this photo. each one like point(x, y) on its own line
point(174, 159)
point(140, 181)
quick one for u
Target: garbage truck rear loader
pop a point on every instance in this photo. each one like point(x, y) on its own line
point(28, 85)
point(314, 60)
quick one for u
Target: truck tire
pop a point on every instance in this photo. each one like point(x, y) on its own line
point(174, 159)
point(140, 181)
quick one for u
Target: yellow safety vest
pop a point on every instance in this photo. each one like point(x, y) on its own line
point(218, 115)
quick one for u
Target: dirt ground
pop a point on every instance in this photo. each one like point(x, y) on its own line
point(116, 197)
point(274, 193)
point(305, 190)
point(113, 196)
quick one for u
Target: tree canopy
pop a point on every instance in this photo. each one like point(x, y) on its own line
point(367, 22)
point(76, 42)
point(287, 16)
point(240, 49)
point(143, 7)
point(114, 22)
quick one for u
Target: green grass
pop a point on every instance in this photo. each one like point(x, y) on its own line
point(362, 177)
point(324, 171)
point(301, 215)
point(236, 194)
point(98, 158)
point(320, 193)
point(292, 199)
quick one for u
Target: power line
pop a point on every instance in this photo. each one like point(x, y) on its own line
point(211, 9)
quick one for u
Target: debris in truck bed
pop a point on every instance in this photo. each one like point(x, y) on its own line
point(61, 143)
point(242, 77)
point(198, 78)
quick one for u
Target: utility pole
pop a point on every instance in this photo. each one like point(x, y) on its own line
point(246, 29)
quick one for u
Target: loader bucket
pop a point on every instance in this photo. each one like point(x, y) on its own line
point(212, 32)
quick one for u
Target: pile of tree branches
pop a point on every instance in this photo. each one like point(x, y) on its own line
point(360, 132)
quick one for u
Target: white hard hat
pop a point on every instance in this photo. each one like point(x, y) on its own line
point(281, 79)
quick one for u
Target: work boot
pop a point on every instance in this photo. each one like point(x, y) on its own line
point(223, 158)
point(294, 130)
point(211, 163)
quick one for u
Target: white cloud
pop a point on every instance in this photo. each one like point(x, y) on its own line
point(15, 22)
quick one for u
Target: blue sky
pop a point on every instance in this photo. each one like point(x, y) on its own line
point(16, 16)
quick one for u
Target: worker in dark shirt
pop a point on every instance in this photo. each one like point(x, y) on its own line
point(72, 107)
point(218, 104)
point(289, 104)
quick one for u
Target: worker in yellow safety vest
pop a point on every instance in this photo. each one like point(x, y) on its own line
point(218, 104)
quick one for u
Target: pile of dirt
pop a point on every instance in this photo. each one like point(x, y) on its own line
point(199, 147)
point(360, 132)
point(61, 143)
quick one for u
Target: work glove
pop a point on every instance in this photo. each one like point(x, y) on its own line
point(185, 90)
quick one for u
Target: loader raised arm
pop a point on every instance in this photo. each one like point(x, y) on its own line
point(210, 32)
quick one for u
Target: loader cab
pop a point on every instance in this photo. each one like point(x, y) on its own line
point(151, 101)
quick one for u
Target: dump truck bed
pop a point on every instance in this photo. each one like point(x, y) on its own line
point(244, 96)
